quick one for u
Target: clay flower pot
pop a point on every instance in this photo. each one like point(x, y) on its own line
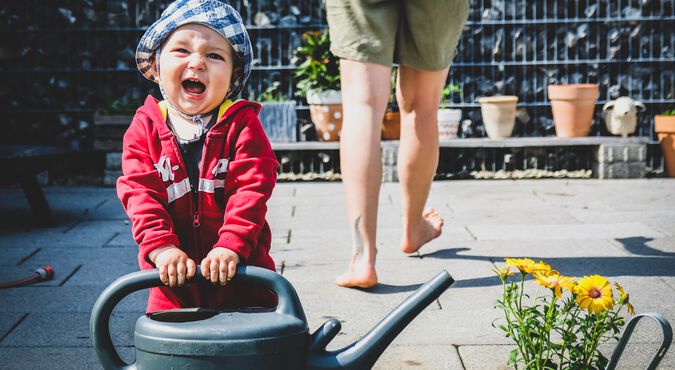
point(665, 129)
point(391, 125)
point(448, 123)
point(499, 115)
point(325, 109)
point(573, 106)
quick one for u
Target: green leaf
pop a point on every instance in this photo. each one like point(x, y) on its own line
point(513, 357)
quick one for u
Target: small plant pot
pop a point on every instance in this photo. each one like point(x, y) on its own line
point(279, 120)
point(573, 106)
point(665, 130)
point(448, 123)
point(391, 126)
point(325, 109)
point(499, 115)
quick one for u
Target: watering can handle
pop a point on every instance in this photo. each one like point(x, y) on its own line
point(288, 303)
point(663, 348)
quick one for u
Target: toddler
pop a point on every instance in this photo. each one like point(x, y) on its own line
point(197, 166)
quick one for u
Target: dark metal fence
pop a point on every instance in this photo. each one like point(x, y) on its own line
point(63, 60)
point(518, 47)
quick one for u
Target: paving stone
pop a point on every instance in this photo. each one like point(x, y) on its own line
point(8, 321)
point(80, 266)
point(336, 250)
point(109, 208)
point(50, 358)
point(63, 270)
point(389, 237)
point(496, 251)
point(638, 356)
point(498, 215)
point(419, 357)
point(67, 330)
point(480, 357)
point(91, 234)
point(122, 240)
point(64, 299)
point(640, 246)
point(549, 232)
point(621, 229)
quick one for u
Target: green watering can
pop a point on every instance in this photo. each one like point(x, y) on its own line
point(246, 339)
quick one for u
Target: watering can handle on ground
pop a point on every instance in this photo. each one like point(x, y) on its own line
point(665, 344)
point(288, 303)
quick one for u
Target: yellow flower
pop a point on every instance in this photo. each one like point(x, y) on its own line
point(539, 267)
point(503, 272)
point(527, 266)
point(594, 294)
point(624, 298)
point(552, 279)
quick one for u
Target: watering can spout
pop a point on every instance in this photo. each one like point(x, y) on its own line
point(363, 353)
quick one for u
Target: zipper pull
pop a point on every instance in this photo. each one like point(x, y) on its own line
point(195, 219)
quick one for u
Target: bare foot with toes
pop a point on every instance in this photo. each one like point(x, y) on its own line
point(358, 275)
point(428, 229)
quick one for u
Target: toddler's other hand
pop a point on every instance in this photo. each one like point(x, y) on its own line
point(174, 265)
point(220, 265)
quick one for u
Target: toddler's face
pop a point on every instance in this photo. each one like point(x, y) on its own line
point(195, 68)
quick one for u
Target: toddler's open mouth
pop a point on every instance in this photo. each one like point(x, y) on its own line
point(193, 87)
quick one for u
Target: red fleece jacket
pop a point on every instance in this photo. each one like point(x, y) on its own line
point(237, 175)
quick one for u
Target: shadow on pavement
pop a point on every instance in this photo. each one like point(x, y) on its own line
point(647, 262)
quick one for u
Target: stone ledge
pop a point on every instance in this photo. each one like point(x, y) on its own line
point(512, 142)
point(521, 142)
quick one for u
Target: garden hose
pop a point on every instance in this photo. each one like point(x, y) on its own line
point(40, 274)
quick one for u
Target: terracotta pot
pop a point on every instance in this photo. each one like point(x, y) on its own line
point(665, 129)
point(448, 123)
point(391, 126)
point(499, 115)
point(573, 106)
point(327, 119)
point(325, 109)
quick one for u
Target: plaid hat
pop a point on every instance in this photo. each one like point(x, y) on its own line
point(214, 14)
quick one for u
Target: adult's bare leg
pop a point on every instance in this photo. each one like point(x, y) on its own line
point(365, 91)
point(418, 96)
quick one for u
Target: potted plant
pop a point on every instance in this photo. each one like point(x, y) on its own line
point(562, 325)
point(278, 115)
point(664, 125)
point(499, 115)
point(319, 82)
point(448, 119)
point(391, 123)
point(573, 106)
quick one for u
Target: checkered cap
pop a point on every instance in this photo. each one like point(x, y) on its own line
point(219, 16)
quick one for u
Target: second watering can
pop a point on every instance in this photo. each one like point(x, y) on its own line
point(245, 339)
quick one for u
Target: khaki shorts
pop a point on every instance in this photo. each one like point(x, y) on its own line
point(421, 34)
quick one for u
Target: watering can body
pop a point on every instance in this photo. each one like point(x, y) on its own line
point(227, 340)
point(197, 338)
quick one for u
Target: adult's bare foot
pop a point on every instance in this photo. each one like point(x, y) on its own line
point(357, 276)
point(428, 229)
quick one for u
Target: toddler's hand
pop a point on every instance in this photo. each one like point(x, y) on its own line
point(220, 265)
point(174, 265)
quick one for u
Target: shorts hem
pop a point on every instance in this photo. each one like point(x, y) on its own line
point(361, 57)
